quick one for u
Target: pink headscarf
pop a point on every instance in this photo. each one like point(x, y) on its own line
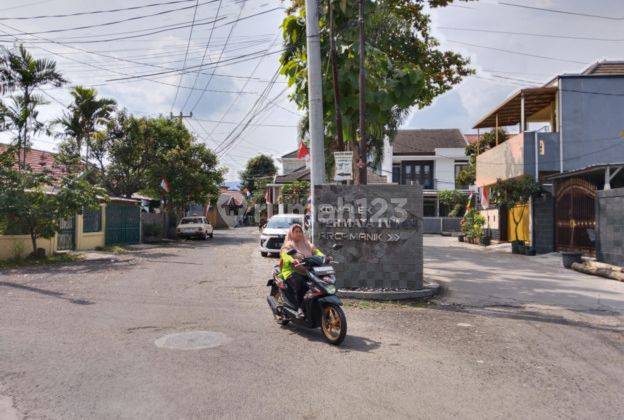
point(303, 247)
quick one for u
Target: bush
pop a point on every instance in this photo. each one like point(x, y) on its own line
point(472, 225)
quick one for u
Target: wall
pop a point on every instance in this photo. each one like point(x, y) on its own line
point(544, 224)
point(290, 165)
point(444, 170)
point(592, 122)
point(492, 222)
point(516, 157)
point(9, 242)
point(373, 256)
point(90, 240)
point(610, 226)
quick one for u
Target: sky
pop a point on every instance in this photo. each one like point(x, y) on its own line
point(510, 43)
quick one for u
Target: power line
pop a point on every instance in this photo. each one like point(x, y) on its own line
point(492, 31)
point(517, 52)
point(206, 50)
point(115, 22)
point(96, 12)
point(566, 12)
point(33, 3)
point(188, 44)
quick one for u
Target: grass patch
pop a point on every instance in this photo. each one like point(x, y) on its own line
point(34, 262)
point(391, 304)
point(113, 249)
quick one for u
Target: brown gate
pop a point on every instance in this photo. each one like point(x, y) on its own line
point(576, 216)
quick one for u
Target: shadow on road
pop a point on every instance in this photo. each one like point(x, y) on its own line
point(351, 342)
point(50, 293)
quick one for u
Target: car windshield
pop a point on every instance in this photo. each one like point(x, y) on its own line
point(283, 222)
point(191, 220)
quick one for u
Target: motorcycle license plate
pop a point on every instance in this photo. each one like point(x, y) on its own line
point(324, 270)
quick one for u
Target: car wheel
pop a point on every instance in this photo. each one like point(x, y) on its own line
point(211, 235)
point(264, 254)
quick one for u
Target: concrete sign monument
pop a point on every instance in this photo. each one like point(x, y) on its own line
point(380, 228)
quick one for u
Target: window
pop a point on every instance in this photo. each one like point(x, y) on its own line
point(91, 221)
point(416, 172)
point(458, 168)
point(429, 207)
point(396, 174)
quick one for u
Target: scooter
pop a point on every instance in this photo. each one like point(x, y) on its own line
point(321, 306)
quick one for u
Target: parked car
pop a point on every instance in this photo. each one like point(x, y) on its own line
point(274, 233)
point(194, 227)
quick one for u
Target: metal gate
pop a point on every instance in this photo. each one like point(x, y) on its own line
point(67, 234)
point(123, 224)
point(575, 214)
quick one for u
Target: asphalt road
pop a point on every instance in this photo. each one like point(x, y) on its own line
point(78, 342)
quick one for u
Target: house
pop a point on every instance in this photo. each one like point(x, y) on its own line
point(432, 158)
point(570, 139)
point(116, 222)
point(229, 210)
point(294, 169)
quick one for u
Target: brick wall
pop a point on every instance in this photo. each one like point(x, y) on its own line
point(544, 223)
point(610, 226)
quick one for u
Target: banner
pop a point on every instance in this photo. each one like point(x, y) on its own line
point(343, 166)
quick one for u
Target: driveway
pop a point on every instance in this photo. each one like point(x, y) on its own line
point(80, 341)
point(478, 276)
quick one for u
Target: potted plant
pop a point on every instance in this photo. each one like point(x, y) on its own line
point(514, 192)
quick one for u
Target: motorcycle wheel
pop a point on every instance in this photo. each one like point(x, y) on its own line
point(334, 324)
point(280, 301)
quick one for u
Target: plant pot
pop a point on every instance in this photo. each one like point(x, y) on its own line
point(485, 241)
point(517, 247)
point(568, 258)
point(530, 251)
point(460, 238)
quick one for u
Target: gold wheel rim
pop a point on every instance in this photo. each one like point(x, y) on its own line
point(331, 322)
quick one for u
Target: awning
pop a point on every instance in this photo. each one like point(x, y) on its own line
point(535, 100)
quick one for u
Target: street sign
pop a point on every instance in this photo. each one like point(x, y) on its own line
point(344, 166)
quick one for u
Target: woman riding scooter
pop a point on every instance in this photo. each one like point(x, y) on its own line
point(295, 239)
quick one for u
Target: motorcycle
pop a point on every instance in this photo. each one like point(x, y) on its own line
point(321, 306)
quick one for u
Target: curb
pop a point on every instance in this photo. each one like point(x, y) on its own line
point(428, 291)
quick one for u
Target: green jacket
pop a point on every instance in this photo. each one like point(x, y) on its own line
point(288, 263)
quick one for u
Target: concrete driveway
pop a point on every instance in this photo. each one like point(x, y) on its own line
point(79, 341)
point(479, 276)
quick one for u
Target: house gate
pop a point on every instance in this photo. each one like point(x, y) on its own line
point(123, 224)
point(67, 235)
point(575, 216)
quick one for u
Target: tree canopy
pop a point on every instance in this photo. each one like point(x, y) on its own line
point(258, 169)
point(404, 66)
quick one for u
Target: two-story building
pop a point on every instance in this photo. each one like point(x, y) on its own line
point(432, 158)
point(570, 139)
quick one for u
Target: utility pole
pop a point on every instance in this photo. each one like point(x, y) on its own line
point(181, 115)
point(315, 104)
point(334, 62)
point(361, 162)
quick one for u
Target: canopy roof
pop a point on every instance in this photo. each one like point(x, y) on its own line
point(535, 100)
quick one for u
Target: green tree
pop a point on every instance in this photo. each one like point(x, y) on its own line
point(455, 201)
point(81, 122)
point(404, 67)
point(258, 168)
point(21, 72)
point(36, 203)
point(509, 193)
point(295, 193)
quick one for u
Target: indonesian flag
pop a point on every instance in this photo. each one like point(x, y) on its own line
point(485, 197)
point(469, 204)
point(303, 151)
point(164, 184)
point(267, 196)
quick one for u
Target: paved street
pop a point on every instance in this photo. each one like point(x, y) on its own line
point(513, 337)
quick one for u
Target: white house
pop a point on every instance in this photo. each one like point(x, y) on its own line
point(432, 158)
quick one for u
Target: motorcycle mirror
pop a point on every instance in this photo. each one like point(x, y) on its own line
point(336, 247)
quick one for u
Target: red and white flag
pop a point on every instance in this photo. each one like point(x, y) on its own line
point(164, 184)
point(303, 152)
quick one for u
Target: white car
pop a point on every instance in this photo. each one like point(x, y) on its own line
point(274, 233)
point(194, 227)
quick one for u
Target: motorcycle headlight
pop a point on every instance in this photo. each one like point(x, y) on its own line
point(330, 289)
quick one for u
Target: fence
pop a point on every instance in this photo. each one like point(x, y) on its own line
point(437, 225)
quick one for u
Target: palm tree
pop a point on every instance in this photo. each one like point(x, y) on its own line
point(20, 71)
point(84, 117)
